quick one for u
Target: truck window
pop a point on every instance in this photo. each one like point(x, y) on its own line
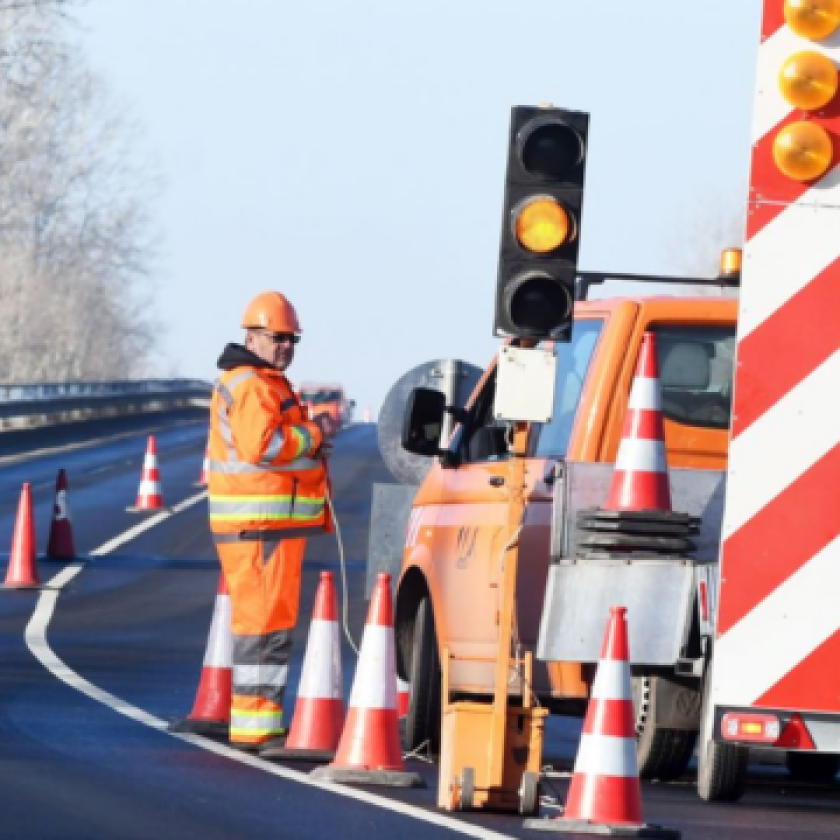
point(695, 372)
point(482, 437)
point(572, 366)
point(321, 397)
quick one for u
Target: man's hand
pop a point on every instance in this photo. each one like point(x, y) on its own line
point(323, 423)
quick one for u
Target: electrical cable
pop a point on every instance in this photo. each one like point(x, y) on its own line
point(342, 562)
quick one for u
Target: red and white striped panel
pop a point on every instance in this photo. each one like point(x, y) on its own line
point(778, 620)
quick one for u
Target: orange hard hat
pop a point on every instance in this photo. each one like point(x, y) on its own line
point(271, 311)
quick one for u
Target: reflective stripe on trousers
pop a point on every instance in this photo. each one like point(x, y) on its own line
point(254, 726)
point(261, 665)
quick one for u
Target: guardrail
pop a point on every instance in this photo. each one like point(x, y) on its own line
point(48, 403)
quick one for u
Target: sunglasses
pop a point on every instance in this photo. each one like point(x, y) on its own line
point(281, 338)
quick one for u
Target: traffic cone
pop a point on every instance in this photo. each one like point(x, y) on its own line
point(149, 493)
point(640, 480)
point(319, 710)
point(369, 750)
point(205, 468)
point(61, 544)
point(604, 795)
point(403, 689)
point(22, 571)
point(211, 711)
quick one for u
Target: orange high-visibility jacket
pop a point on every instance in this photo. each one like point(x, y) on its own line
point(262, 476)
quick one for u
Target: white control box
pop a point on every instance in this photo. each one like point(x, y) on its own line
point(525, 385)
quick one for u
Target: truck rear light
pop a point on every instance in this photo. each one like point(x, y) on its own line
point(748, 726)
point(795, 735)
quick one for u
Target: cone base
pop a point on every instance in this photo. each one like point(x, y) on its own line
point(136, 509)
point(560, 825)
point(23, 586)
point(292, 754)
point(60, 553)
point(357, 776)
point(60, 558)
point(198, 726)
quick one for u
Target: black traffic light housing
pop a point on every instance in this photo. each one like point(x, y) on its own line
point(546, 161)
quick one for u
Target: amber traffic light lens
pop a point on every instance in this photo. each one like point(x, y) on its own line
point(542, 224)
point(803, 151)
point(538, 304)
point(808, 80)
point(549, 148)
point(814, 19)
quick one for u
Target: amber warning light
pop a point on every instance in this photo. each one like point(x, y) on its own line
point(730, 265)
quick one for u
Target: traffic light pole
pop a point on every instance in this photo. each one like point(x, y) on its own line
point(516, 512)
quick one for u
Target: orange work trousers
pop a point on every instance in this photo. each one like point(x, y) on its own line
point(263, 579)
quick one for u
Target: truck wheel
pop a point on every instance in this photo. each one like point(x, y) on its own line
point(661, 753)
point(813, 767)
point(721, 768)
point(422, 723)
point(722, 772)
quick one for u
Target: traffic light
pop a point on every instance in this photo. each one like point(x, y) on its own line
point(541, 223)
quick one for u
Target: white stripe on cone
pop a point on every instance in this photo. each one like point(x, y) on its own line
point(612, 680)
point(641, 455)
point(149, 488)
point(375, 682)
point(219, 652)
point(323, 646)
point(645, 394)
point(605, 755)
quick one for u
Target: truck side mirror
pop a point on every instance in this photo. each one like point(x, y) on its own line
point(423, 421)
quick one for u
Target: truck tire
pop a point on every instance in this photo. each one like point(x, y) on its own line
point(820, 768)
point(423, 720)
point(722, 772)
point(662, 754)
point(721, 768)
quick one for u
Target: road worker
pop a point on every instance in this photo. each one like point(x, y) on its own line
point(267, 489)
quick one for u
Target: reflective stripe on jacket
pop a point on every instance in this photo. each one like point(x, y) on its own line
point(261, 475)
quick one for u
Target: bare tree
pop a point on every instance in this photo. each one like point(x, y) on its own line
point(705, 229)
point(76, 247)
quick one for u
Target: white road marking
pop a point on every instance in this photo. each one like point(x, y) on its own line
point(36, 640)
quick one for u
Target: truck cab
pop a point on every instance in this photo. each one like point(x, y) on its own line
point(448, 591)
point(328, 405)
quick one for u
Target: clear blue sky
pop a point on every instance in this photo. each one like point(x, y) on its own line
point(351, 153)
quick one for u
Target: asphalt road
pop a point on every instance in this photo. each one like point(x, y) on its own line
point(91, 674)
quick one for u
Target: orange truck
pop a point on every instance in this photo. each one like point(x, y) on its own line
point(328, 404)
point(448, 593)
